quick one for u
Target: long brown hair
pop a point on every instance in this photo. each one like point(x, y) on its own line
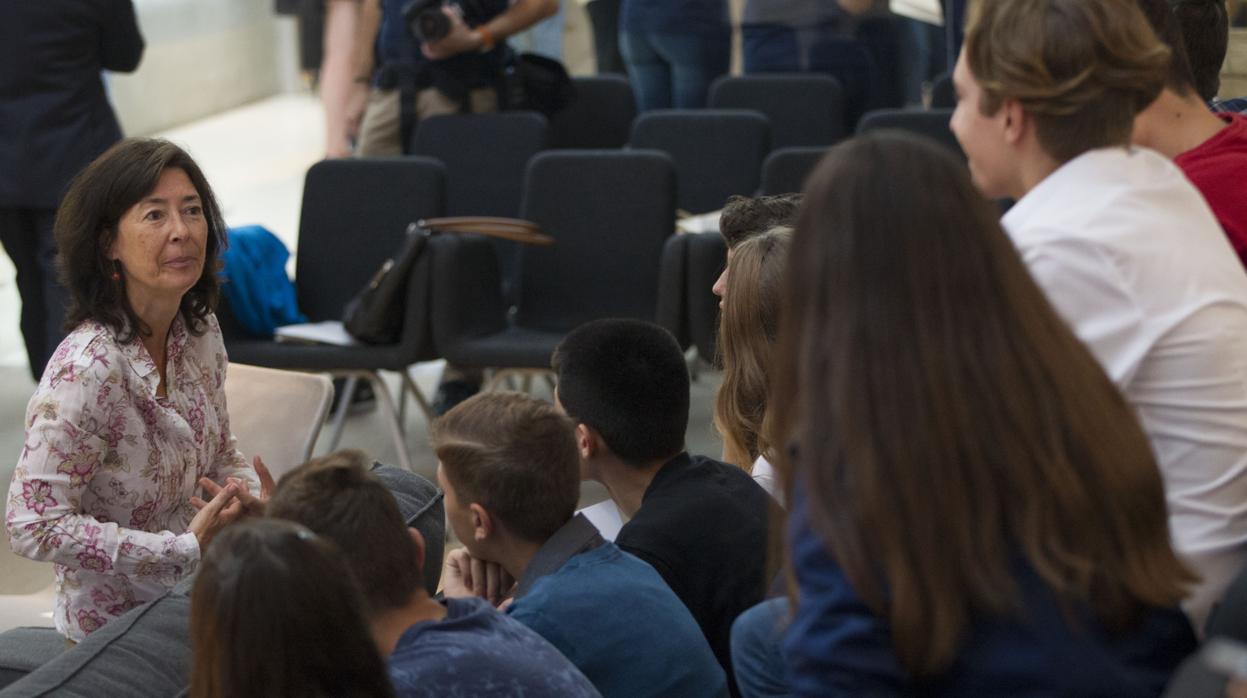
point(947, 424)
point(276, 612)
point(748, 330)
point(87, 225)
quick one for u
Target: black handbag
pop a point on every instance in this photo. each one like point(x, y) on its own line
point(537, 83)
point(375, 314)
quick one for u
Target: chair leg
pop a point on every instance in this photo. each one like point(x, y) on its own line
point(339, 416)
point(421, 401)
point(391, 417)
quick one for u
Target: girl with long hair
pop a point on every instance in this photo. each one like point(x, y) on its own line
point(748, 330)
point(276, 612)
point(974, 507)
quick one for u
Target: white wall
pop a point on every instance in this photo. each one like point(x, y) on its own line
point(203, 57)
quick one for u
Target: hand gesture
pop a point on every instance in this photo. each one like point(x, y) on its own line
point(224, 509)
point(464, 576)
point(251, 504)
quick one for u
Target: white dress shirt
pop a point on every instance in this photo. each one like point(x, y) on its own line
point(1133, 259)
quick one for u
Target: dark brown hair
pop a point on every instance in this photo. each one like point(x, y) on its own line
point(745, 216)
point(338, 498)
point(1205, 29)
point(276, 612)
point(87, 224)
point(947, 422)
point(515, 456)
point(748, 329)
point(1165, 24)
point(1082, 69)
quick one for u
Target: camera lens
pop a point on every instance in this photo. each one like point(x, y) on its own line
point(432, 25)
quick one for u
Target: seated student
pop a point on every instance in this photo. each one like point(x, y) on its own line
point(743, 217)
point(1123, 245)
point(1210, 148)
point(701, 523)
point(146, 653)
point(462, 647)
point(748, 328)
point(277, 612)
point(1205, 28)
point(511, 473)
point(976, 510)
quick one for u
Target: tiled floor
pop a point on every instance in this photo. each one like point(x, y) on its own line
point(255, 158)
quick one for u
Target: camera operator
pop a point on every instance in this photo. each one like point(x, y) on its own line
point(431, 57)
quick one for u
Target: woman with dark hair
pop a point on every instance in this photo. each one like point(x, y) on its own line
point(130, 415)
point(277, 612)
point(975, 508)
point(748, 329)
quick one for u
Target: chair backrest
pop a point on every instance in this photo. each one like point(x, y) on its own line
point(1229, 617)
point(355, 215)
point(275, 414)
point(786, 169)
point(717, 153)
point(609, 211)
point(600, 117)
point(707, 255)
point(931, 123)
point(804, 108)
point(485, 157)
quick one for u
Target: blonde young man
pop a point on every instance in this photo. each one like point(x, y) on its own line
point(1123, 245)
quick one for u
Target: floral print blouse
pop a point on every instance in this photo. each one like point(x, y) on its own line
point(103, 485)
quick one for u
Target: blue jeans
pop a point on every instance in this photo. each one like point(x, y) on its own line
point(756, 658)
point(672, 69)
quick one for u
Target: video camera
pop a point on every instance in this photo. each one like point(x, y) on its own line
point(427, 22)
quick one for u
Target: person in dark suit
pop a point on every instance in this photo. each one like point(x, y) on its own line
point(54, 119)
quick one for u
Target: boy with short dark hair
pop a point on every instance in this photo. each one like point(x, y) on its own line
point(701, 523)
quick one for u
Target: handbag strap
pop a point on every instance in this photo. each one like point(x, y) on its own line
point(515, 229)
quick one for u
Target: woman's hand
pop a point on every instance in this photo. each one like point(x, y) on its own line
point(224, 509)
point(251, 504)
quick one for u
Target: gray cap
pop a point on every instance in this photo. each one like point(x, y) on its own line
point(420, 503)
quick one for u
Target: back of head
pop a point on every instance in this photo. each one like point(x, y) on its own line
point(1205, 29)
point(627, 380)
point(748, 329)
point(336, 497)
point(745, 216)
point(276, 612)
point(1165, 24)
point(514, 455)
point(1081, 69)
point(920, 357)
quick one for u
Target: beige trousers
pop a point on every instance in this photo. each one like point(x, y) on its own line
point(379, 132)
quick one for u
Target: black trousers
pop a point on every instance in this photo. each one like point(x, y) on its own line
point(26, 234)
point(604, 16)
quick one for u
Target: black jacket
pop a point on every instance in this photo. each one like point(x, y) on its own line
point(54, 115)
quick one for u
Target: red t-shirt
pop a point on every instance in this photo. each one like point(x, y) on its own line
point(1218, 168)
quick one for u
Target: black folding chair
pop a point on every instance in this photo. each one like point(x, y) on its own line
point(355, 215)
point(805, 109)
point(599, 118)
point(786, 170)
point(717, 153)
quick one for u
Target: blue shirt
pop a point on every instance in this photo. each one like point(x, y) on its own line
point(836, 646)
point(477, 651)
point(616, 619)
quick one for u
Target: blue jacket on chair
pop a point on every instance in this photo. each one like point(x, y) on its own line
point(256, 285)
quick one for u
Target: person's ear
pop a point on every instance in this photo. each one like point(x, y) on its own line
point(586, 442)
point(1015, 121)
point(417, 539)
point(482, 523)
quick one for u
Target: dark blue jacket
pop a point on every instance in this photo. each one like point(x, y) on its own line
point(836, 646)
point(54, 116)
